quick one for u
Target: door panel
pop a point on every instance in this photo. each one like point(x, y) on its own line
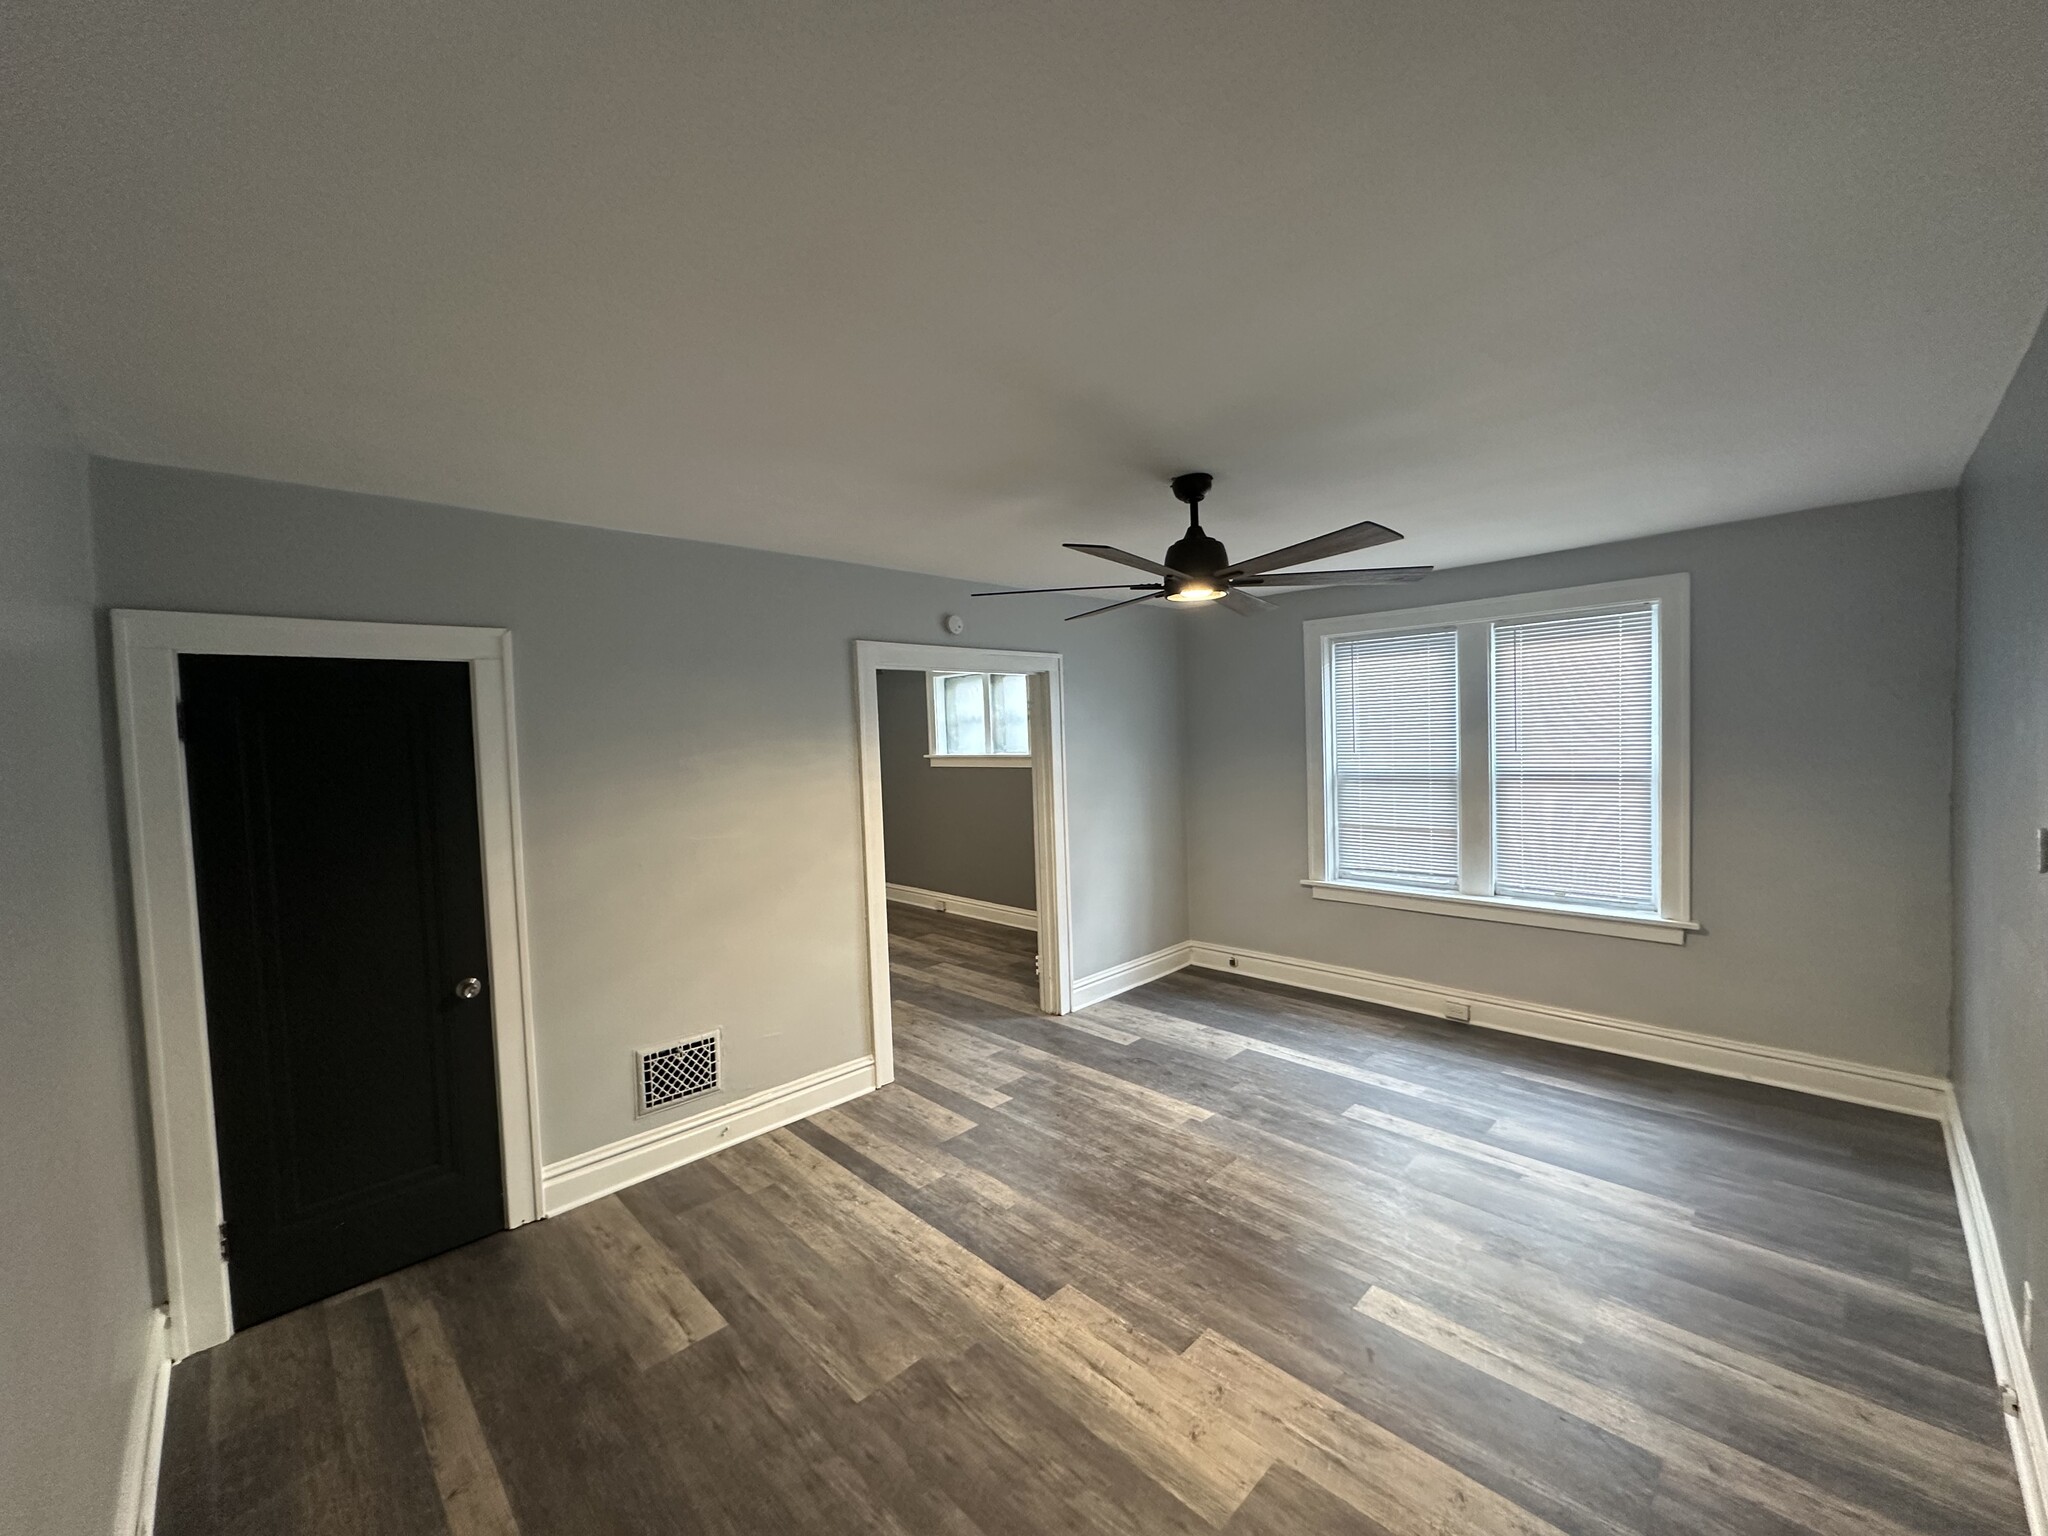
point(340, 883)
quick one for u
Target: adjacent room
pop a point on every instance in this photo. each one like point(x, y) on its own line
point(954, 839)
point(1003, 770)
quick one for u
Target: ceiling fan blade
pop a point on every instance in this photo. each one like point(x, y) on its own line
point(1125, 557)
point(1339, 541)
point(1243, 603)
point(1337, 578)
point(1114, 586)
point(1112, 607)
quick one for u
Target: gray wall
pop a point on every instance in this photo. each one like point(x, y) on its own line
point(2001, 1015)
point(1823, 658)
point(76, 1285)
point(687, 761)
point(964, 831)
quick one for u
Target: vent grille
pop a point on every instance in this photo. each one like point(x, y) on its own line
point(671, 1073)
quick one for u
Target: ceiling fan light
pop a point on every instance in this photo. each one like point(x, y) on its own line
point(1195, 592)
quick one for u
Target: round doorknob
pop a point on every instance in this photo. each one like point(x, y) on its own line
point(468, 988)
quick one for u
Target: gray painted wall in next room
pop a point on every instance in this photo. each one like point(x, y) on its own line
point(687, 753)
point(2001, 1018)
point(76, 1283)
point(964, 831)
point(1822, 682)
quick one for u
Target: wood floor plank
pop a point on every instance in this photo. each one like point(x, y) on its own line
point(1832, 1437)
point(909, 1116)
point(854, 1344)
point(675, 1313)
point(276, 1424)
point(393, 1479)
point(1349, 1455)
point(1739, 1266)
point(760, 1462)
point(1213, 1256)
point(1169, 1029)
point(980, 1428)
point(1841, 1327)
point(1288, 1504)
point(1755, 1481)
point(906, 1156)
point(463, 1468)
point(924, 1068)
point(930, 1321)
point(1207, 1467)
point(769, 1363)
point(1584, 1186)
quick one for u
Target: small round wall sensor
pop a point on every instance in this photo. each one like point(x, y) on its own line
point(954, 623)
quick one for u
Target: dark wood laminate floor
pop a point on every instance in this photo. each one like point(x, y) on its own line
point(1214, 1256)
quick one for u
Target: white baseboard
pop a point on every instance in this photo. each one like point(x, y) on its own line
point(2001, 1325)
point(135, 1514)
point(964, 906)
point(1089, 990)
point(603, 1170)
point(1826, 1076)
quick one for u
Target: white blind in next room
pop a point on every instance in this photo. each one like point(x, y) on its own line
point(1394, 759)
point(1574, 759)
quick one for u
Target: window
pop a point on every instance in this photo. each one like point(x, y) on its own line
point(1575, 759)
point(1522, 759)
point(981, 719)
point(1394, 759)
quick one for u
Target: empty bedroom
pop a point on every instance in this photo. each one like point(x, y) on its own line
point(1005, 770)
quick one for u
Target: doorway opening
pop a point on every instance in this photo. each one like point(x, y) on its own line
point(964, 811)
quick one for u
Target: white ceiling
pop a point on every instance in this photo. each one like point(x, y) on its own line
point(941, 285)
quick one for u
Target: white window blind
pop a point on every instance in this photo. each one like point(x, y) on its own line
point(1575, 759)
point(1394, 758)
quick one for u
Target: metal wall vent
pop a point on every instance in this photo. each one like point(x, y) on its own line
point(671, 1073)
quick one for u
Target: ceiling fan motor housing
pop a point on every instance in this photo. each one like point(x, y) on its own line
point(1196, 554)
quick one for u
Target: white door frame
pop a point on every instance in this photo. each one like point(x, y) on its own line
point(1048, 818)
point(146, 650)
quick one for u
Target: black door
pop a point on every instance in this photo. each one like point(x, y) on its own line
point(341, 922)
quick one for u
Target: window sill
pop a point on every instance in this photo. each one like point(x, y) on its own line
point(1493, 909)
point(989, 760)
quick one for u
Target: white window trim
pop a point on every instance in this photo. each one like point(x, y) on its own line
point(940, 759)
point(1673, 918)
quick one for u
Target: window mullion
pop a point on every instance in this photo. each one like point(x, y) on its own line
point(1475, 759)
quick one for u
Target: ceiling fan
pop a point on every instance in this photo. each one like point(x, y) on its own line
point(1196, 569)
